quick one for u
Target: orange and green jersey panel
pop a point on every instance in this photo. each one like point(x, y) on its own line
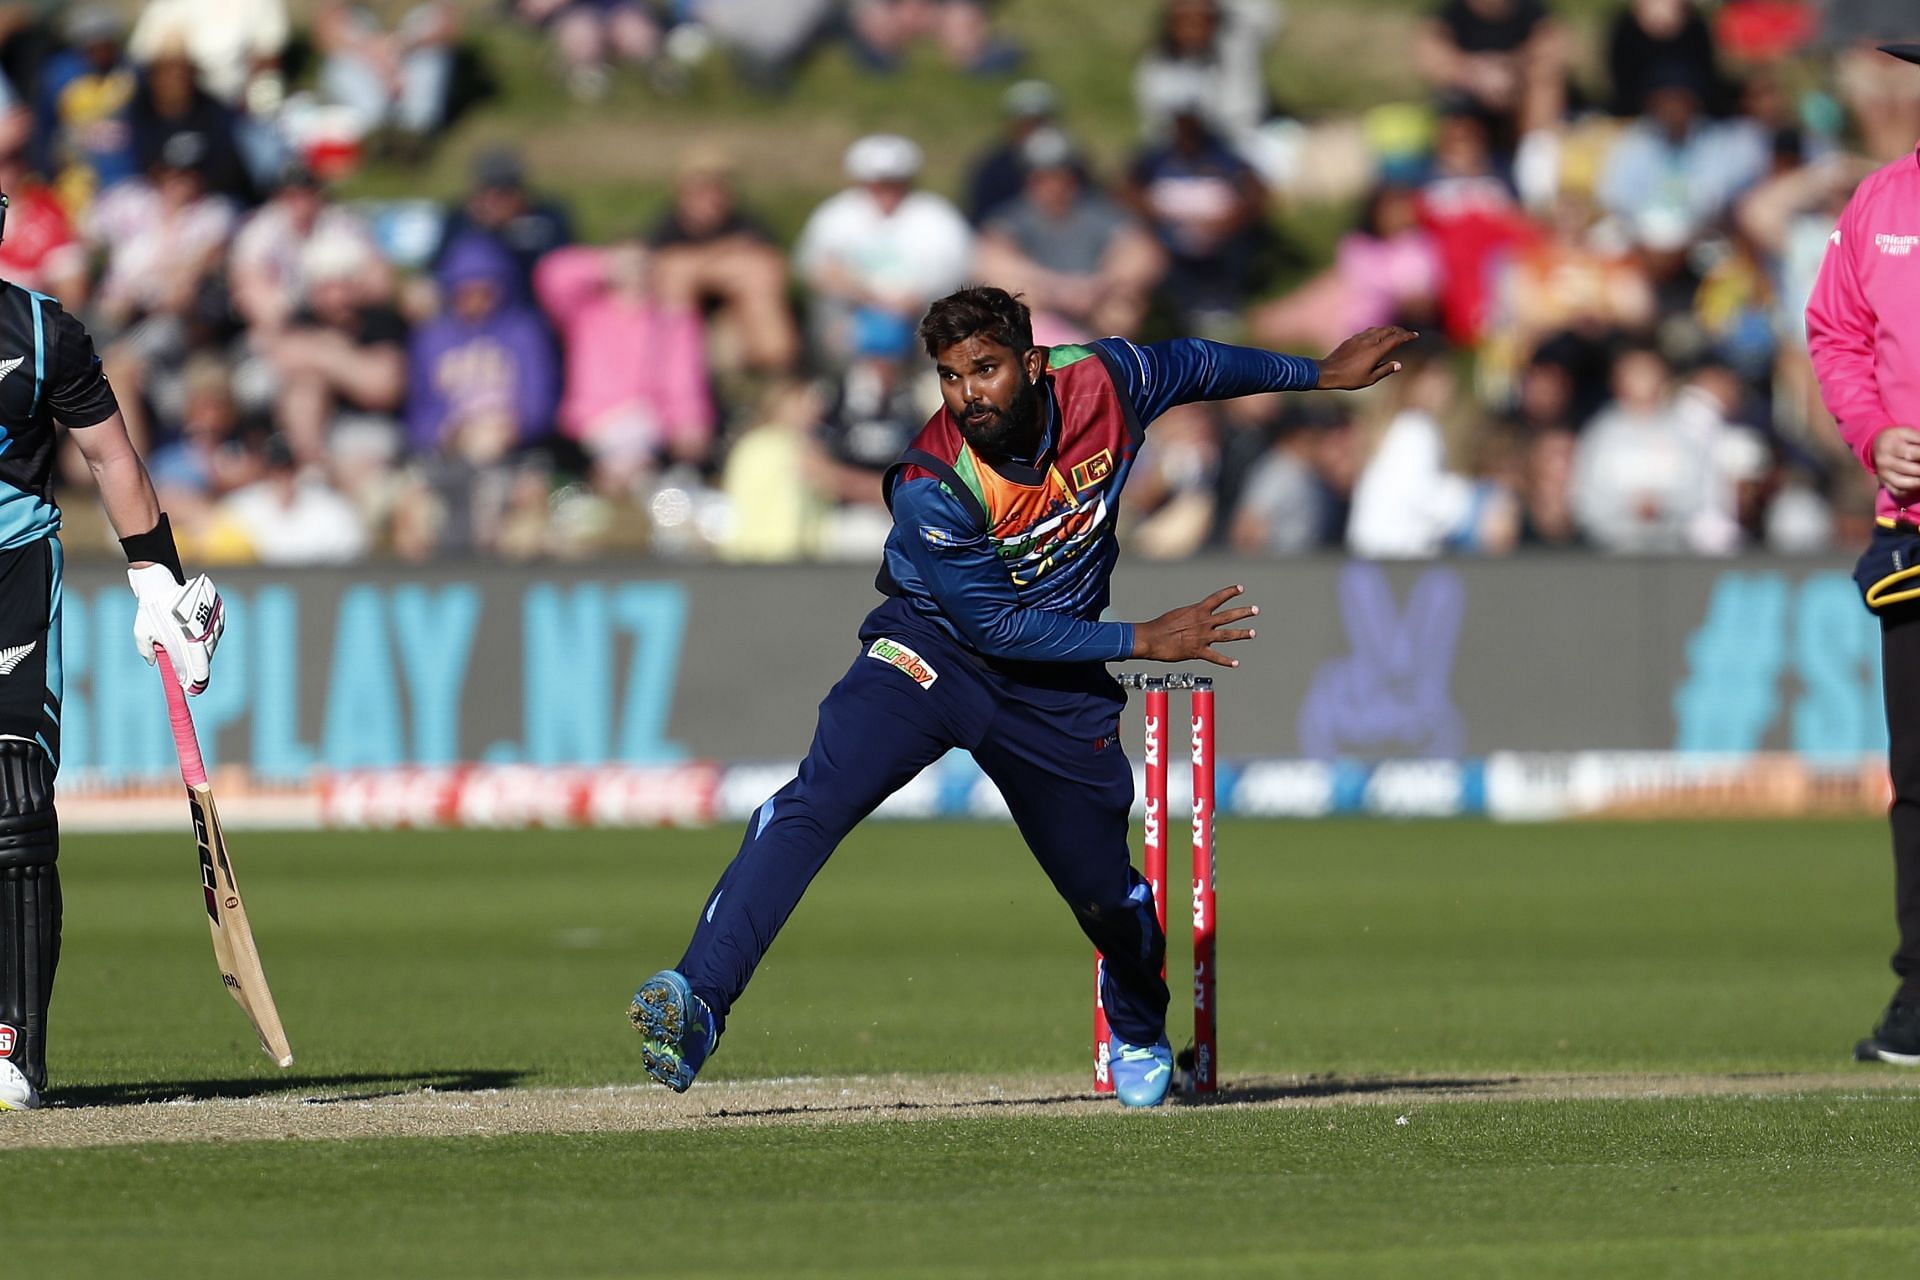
point(1017, 564)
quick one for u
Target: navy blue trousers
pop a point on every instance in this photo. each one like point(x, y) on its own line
point(1047, 735)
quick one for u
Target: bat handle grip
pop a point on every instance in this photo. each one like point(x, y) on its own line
point(193, 770)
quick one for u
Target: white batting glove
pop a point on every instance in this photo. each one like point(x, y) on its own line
point(185, 621)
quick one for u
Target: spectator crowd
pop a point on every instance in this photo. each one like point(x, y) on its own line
point(1607, 258)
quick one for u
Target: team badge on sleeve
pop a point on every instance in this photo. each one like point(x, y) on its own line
point(895, 654)
point(938, 537)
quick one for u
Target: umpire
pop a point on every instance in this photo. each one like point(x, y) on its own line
point(1863, 327)
point(51, 378)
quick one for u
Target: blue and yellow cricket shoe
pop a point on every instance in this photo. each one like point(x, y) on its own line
point(1142, 1073)
point(676, 1029)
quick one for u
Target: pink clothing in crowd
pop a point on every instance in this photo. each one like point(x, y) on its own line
point(1863, 321)
point(632, 364)
point(1379, 276)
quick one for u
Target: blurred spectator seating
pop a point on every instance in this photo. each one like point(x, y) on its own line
point(770, 517)
point(292, 516)
point(170, 103)
point(211, 458)
point(590, 36)
point(1212, 53)
point(482, 378)
point(1000, 173)
point(230, 42)
point(1204, 204)
point(264, 268)
point(872, 413)
point(878, 252)
point(1647, 35)
point(1573, 277)
point(1881, 94)
point(500, 205)
point(883, 30)
point(1676, 172)
point(1508, 58)
point(636, 377)
point(162, 238)
point(336, 370)
point(767, 39)
point(40, 249)
point(1297, 493)
point(1475, 221)
point(1083, 264)
point(397, 78)
point(82, 138)
point(1385, 271)
point(1642, 482)
point(1409, 503)
point(483, 383)
point(28, 34)
point(712, 255)
point(1170, 499)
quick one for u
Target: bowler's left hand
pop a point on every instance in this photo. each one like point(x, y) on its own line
point(1363, 359)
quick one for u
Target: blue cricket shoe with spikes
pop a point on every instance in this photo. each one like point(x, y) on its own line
point(1142, 1073)
point(676, 1029)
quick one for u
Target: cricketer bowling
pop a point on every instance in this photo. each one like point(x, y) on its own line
point(990, 639)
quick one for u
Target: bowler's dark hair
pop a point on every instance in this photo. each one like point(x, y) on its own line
point(977, 311)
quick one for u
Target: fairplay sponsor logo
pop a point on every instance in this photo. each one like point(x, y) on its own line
point(897, 655)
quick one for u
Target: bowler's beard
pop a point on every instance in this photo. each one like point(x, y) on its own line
point(1012, 433)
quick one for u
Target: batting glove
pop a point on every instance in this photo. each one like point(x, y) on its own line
point(187, 621)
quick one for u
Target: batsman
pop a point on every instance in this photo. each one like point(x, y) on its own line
point(51, 378)
point(990, 639)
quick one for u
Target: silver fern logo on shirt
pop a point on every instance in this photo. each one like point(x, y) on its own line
point(12, 656)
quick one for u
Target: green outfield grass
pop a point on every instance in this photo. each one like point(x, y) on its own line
point(1463, 949)
point(1776, 1189)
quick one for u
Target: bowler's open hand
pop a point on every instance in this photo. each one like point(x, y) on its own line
point(1363, 359)
point(1190, 632)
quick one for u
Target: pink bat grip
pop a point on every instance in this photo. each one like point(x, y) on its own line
point(193, 770)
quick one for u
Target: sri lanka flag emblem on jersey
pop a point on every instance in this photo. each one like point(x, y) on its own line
point(1091, 472)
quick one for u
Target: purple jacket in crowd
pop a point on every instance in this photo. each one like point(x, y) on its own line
point(502, 362)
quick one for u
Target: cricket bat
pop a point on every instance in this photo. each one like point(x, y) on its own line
point(234, 951)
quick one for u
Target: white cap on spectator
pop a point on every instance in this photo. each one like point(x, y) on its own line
point(1031, 100)
point(93, 24)
point(1047, 148)
point(883, 157)
point(333, 254)
point(1663, 229)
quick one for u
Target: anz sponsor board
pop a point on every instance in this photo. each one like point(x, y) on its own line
point(1521, 787)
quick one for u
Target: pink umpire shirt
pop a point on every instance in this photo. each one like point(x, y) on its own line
point(1863, 321)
